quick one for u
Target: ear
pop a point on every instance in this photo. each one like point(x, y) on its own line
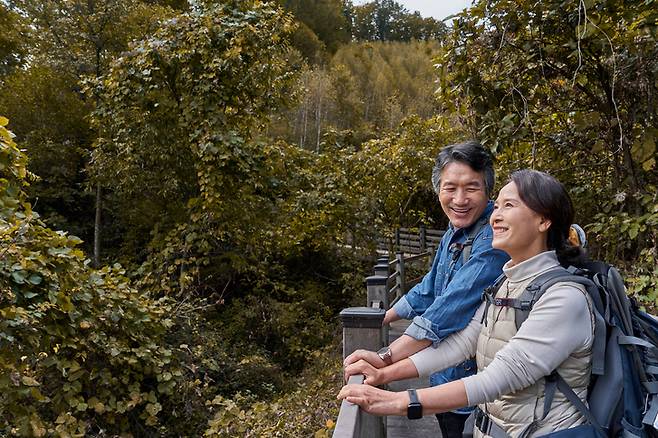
point(544, 225)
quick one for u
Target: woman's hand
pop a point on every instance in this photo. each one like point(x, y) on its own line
point(373, 375)
point(374, 400)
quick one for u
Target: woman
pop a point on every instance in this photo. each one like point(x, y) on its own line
point(530, 222)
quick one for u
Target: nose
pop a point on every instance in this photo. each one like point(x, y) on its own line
point(460, 197)
point(495, 216)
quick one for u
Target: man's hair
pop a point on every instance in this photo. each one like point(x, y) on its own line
point(470, 153)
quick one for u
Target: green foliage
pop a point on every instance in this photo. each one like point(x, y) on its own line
point(177, 113)
point(325, 18)
point(80, 349)
point(567, 88)
point(48, 116)
point(367, 88)
point(309, 410)
point(387, 20)
point(12, 50)
point(394, 173)
point(67, 41)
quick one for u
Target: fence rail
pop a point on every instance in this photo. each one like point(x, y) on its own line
point(410, 240)
point(362, 326)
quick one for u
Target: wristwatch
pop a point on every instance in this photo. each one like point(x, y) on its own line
point(414, 408)
point(385, 354)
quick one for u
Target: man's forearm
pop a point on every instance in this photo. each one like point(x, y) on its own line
point(405, 346)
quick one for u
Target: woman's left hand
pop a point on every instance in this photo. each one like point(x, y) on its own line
point(374, 400)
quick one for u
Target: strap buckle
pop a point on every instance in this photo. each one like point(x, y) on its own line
point(482, 421)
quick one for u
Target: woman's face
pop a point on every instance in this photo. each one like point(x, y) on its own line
point(517, 230)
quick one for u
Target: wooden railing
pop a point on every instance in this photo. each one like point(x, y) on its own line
point(410, 240)
point(362, 326)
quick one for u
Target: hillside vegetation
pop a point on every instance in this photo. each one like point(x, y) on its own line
point(190, 193)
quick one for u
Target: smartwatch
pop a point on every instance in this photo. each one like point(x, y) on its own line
point(414, 409)
point(385, 354)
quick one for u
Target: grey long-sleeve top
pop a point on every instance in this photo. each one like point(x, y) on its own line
point(558, 325)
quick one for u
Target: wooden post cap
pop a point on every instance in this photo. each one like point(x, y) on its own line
point(362, 317)
point(376, 280)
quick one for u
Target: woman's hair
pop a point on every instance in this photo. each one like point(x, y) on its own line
point(547, 197)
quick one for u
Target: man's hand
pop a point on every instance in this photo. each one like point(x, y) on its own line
point(390, 316)
point(369, 356)
point(374, 400)
point(373, 375)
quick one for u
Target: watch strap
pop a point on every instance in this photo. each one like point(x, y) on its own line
point(414, 409)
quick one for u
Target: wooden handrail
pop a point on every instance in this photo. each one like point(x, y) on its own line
point(417, 256)
point(348, 424)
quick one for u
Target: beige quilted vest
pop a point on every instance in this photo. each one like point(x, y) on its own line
point(514, 412)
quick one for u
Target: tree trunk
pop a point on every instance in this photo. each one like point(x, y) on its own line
point(97, 227)
point(318, 120)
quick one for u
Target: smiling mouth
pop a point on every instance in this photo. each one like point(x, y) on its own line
point(460, 210)
point(499, 230)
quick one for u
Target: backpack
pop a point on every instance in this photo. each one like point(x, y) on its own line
point(623, 392)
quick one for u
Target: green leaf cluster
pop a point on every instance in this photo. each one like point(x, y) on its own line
point(80, 349)
point(566, 87)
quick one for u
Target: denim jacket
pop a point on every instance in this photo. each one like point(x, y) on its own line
point(446, 299)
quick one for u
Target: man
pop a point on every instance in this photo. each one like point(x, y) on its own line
point(448, 296)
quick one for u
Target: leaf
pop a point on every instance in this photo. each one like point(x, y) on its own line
point(34, 279)
point(29, 381)
point(649, 164)
point(19, 276)
point(4, 121)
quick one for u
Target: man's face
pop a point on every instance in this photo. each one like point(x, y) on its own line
point(462, 194)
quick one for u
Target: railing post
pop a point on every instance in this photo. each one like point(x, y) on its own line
point(362, 328)
point(400, 280)
point(377, 291)
point(423, 241)
point(381, 268)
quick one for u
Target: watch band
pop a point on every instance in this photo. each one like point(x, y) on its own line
point(414, 408)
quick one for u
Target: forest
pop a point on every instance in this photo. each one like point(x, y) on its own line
point(191, 191)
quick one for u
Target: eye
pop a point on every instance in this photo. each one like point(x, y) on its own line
point(508, 204)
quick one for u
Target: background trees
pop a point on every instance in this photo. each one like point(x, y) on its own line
point(568, 89)
point(248, 155)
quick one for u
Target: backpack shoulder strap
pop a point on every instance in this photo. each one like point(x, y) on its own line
point(470, 238)
point(555, 381)
point(489, 295)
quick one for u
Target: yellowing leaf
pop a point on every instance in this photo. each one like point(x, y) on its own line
point(29, 381)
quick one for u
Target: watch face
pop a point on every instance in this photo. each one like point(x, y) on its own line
point(385, 355)
point(414, 411)
point(414, 408)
